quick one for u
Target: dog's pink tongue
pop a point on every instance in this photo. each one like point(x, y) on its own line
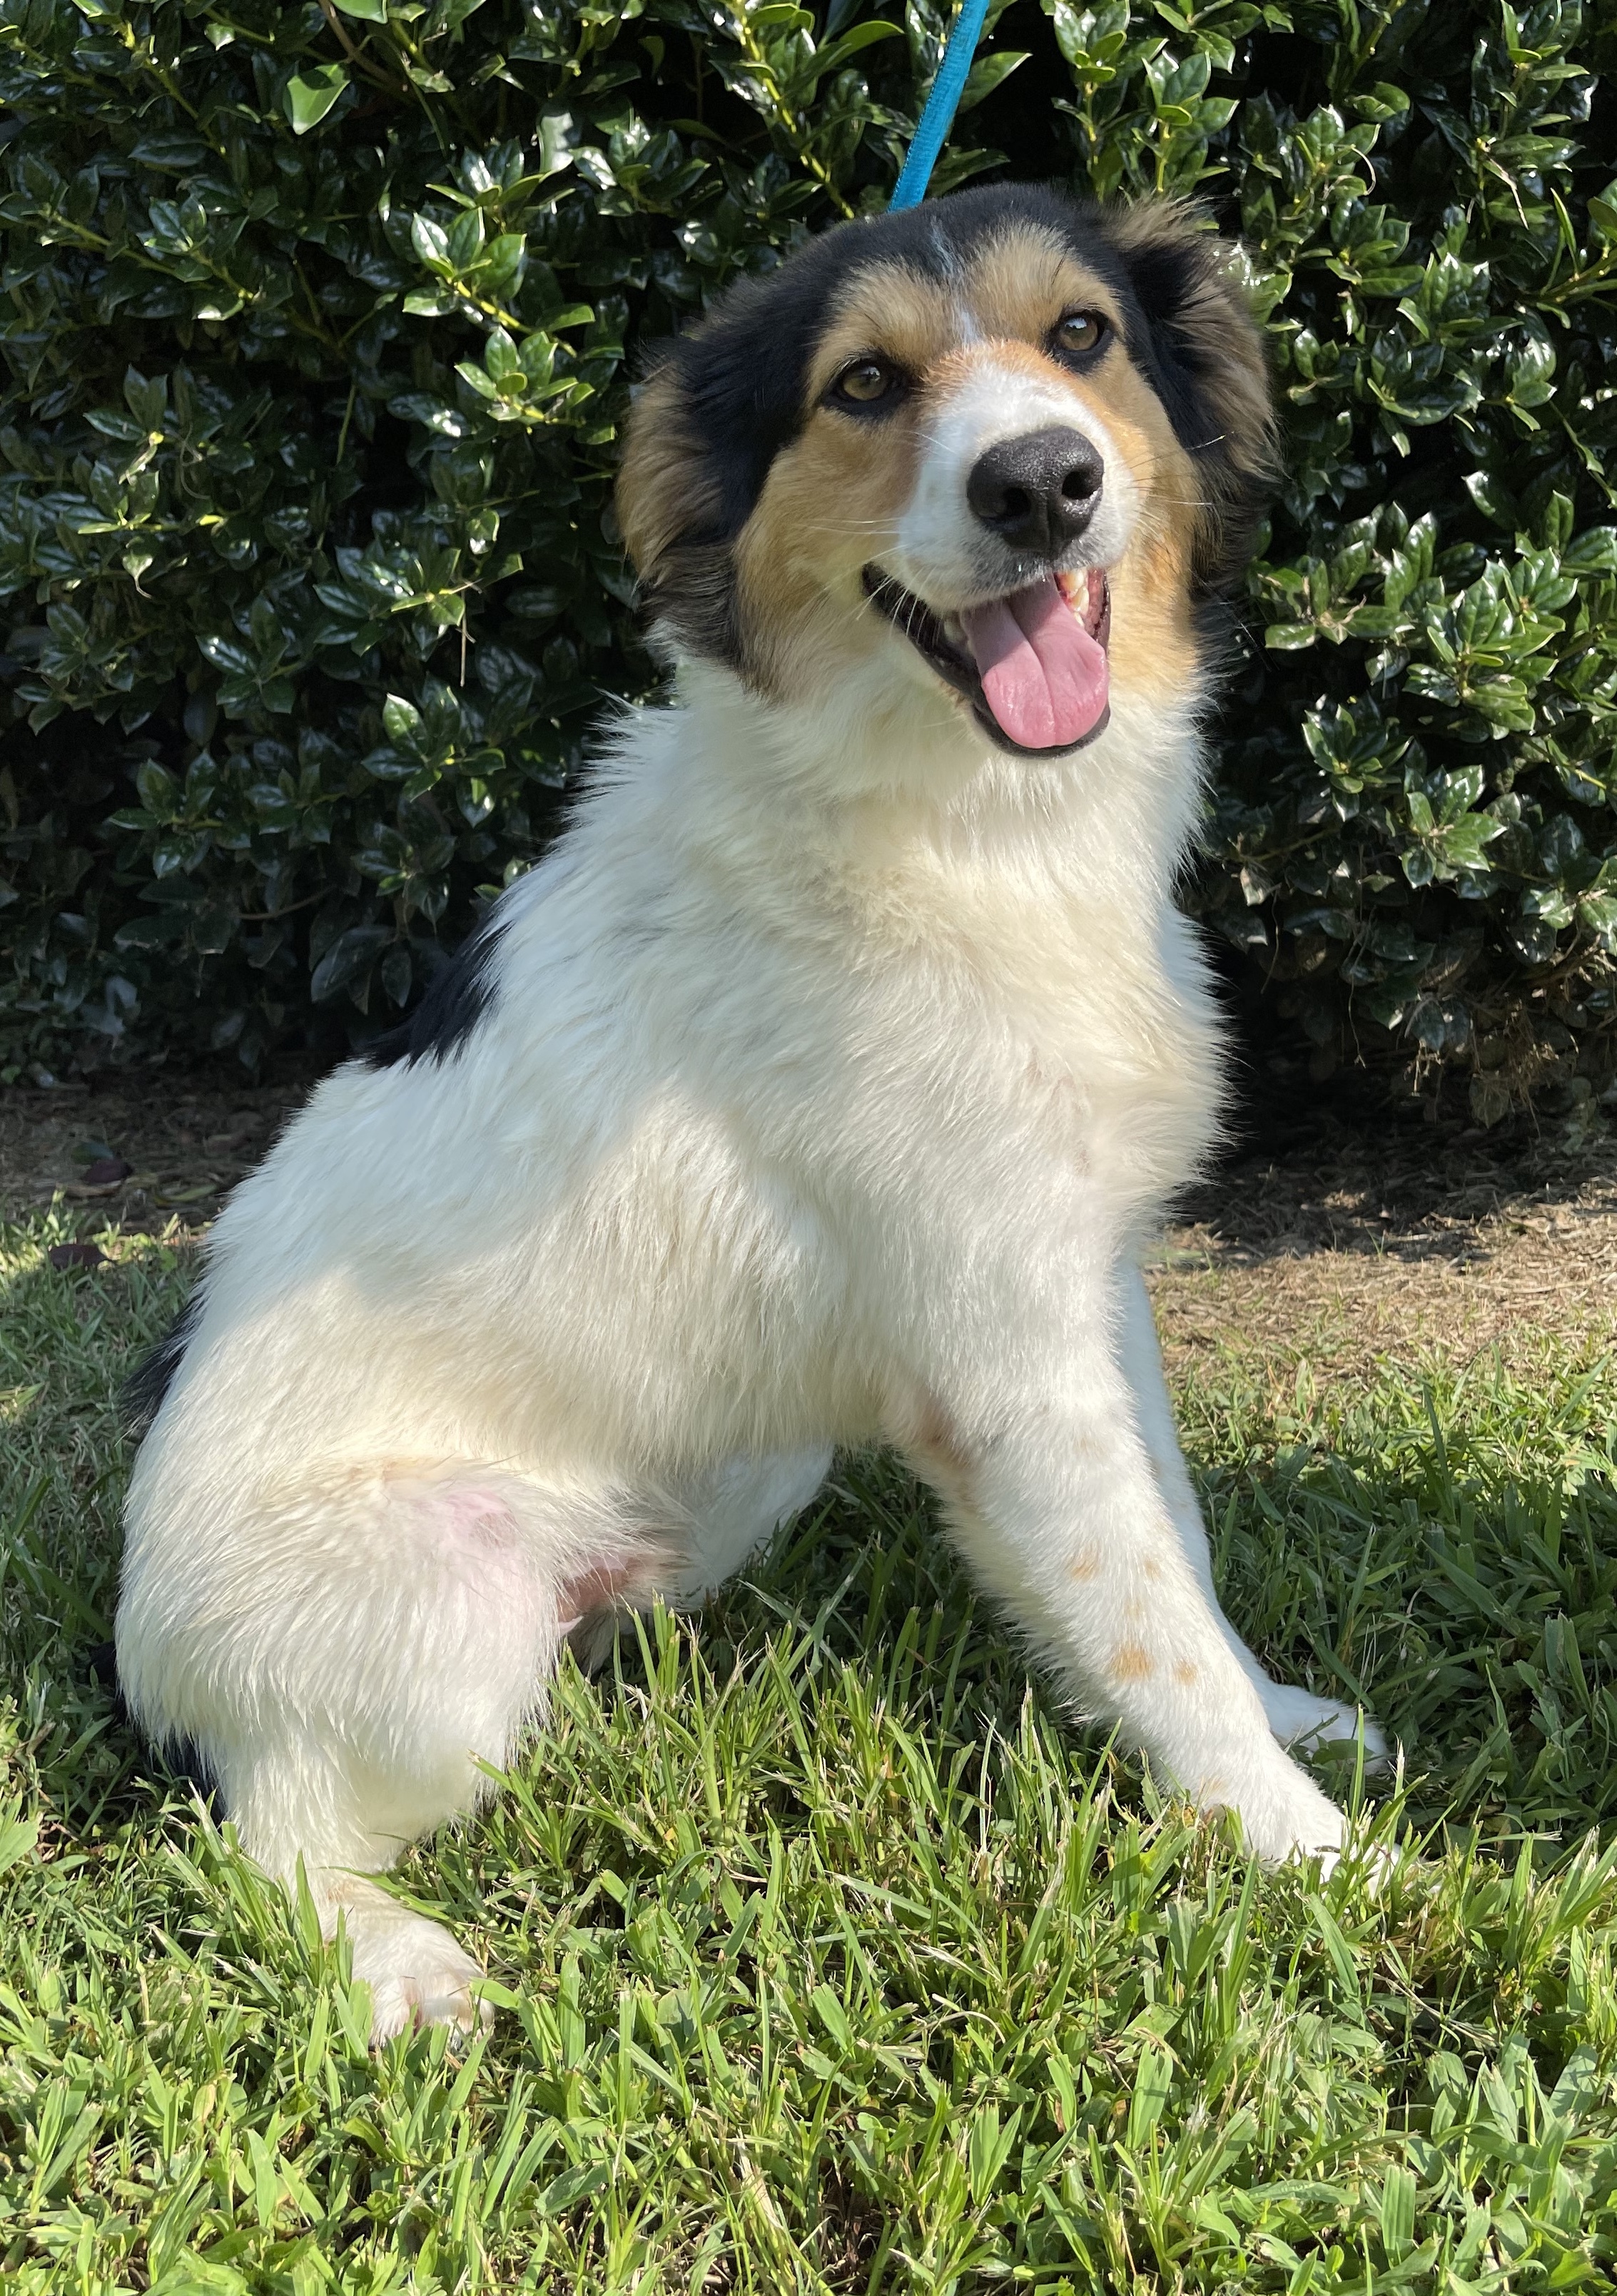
point(1043, 675)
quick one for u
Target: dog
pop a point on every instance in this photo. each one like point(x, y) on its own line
point(816, 1088)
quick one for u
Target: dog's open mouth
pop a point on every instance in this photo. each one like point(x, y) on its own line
point(1033, 666)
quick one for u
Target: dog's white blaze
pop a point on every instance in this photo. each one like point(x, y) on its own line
point(940, 554)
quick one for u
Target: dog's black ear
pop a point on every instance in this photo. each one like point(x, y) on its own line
point(715, 409)
point(673, 517)
point(1211, 372)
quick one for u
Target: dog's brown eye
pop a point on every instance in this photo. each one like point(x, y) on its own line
point(865, 383)
point(1078, 331)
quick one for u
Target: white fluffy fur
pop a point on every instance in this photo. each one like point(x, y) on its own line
point(836, 1065)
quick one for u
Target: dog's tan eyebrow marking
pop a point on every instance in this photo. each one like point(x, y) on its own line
point(1021, 281)
point(884, 308)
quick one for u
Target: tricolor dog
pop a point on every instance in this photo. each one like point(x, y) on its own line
point(817, 1088)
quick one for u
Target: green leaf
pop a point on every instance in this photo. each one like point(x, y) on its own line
point(148, 932)
point(1503, 701)
point(369, 12)
point(347, 960)
point(402, 720)
point(159, 793)
point(863, 36)
point(500, 356)
point(1152, 2085)
point(1592, 551)
point(1493, 498)
point(987, 74)
point(1598, 914)
point(1383, 101)
point(430, 243)
point(308, 100)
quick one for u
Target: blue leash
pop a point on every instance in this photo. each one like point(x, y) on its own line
point(941, 105)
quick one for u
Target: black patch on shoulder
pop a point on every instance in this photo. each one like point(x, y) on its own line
point(141, 1396)
point(458, 996)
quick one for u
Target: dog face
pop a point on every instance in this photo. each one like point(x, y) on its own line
point(984, 456)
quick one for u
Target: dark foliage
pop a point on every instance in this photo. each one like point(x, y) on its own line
point(316, 325)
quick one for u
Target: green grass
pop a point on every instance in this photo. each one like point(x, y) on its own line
point(829, 1956)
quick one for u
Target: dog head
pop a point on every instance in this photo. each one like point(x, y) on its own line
point(984, 456)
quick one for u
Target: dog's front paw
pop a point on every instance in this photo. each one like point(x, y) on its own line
point(418, 1975)
point(1302, 1721)
point(1282, 1811)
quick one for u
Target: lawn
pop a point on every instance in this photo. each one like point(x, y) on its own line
point(829, 1956)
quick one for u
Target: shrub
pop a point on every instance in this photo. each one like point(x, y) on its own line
point(317, 323)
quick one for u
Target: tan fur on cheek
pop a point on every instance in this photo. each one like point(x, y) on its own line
point(1152, 646)
point(829, 505)
point(1234, 464)
point(669, 507)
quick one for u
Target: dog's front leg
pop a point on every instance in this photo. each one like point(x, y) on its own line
point(1061, 1517)
point(1296, 1716)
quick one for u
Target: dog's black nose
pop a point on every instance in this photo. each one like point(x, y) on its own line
point(1037, 492)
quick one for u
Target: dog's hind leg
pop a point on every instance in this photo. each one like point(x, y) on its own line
point(1296, 1716)
point(345, 1654)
